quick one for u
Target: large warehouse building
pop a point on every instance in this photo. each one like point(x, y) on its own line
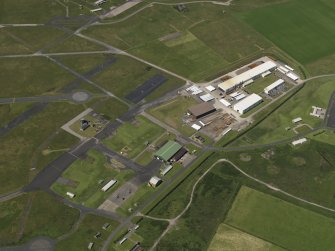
point(248, 103)
point(274, 87)
point(230, 84)
point(171, 151)
point(201, 110)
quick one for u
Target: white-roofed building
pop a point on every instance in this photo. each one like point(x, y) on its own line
point(225, 102)
point(240, 97)
point(284, 69)
point(248, 103)
point(288, 67)
point(253, 73)
point(267, 73)
point(210, 88)
point(274, 87)
point(196, 127)
point(155, 181)
point(194, 90)
point(207, 97)
point(299, 141)
point(292, 76)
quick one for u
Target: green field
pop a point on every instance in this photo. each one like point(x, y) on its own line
point(280, 222)
point(199, 53)
point(90, 225)
point(259, 85)
point(126, 74)
point(32, 215)
point(325, 136)
point(133, 138)
point(273, 128)
point(85, 175)
point(37, 11)
point(306, 171)
point(171, 113)
point(10, 111)
point(228, 238)
point(76, 44)
point(30, 83)
point(198, 225)
point(22, 147)
point(306, 33)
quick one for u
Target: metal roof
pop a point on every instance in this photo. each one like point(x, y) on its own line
point(167, 151)
point(248, 102)
point(245, 76)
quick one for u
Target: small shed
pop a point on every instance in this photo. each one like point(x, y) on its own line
point(155, 181)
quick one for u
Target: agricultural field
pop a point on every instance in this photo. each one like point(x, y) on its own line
point(228, 238)
point(280, 222)
point(89, 226)
point(193, 43)
point(273, 128)
point(83, 179)
point(133, 137)
point(306, 171)
point(304, 21)
point(171, 113)
point(41, 214)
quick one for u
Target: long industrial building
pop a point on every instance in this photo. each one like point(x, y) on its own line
point(251, 74)
point(271, 89)
point(248, 103)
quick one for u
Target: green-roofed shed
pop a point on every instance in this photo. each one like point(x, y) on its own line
point(167, 151)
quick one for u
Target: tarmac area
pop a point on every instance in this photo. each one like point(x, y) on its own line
point(146, 88)
point(331, 112)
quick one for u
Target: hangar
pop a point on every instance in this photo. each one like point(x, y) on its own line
point(168, 151)
point(201, 110)
point(248, 103)
point(232, 83)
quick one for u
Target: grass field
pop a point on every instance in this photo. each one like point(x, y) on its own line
point(127, 74)
point(40, 215)
point(273, 127)
point(228, 238)
point(325, 136)
point(23, 146)
point(85, 176)
point(149, 231)
point(89, 226)
point(304, 21)
point(75, 44)
point(259, 85)
point(197, 226)
point(30, 83)
point(133, 138)
point(111, 108)
point(10, 111)
point(34, 38)
point(171, 113)
point(280, 222)
point(38, 11)
point(202, 50)
point(307, 171)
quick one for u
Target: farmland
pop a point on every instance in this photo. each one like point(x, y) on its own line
point(304, 21)
point(279, 222)
point(306, 171)
point(228, 238)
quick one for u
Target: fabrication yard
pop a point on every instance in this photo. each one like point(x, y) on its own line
point(145, 125)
